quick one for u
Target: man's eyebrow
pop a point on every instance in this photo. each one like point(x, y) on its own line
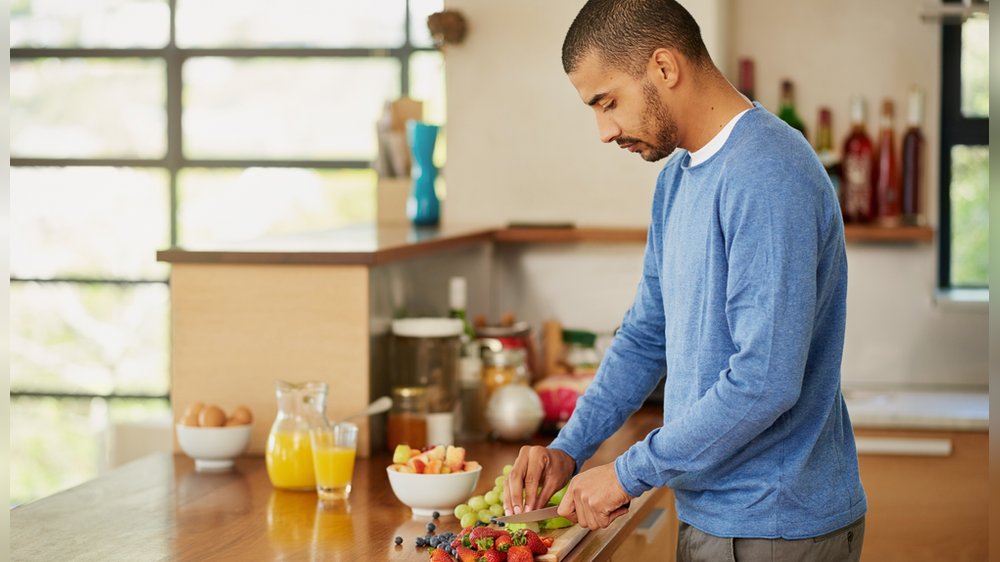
point(596, 98)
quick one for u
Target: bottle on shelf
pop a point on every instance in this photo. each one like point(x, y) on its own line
point(746, 78)
point(858, 194)
point(786, 111)
point(913, 148)
point(457, 303)
point(824, 148)
point(888, 211)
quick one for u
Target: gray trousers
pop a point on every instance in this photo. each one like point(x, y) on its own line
point(842, 545)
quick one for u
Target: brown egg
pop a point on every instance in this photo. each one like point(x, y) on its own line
point(194, 409)
point(212, 416)
point(190, 420)
point(240, 416)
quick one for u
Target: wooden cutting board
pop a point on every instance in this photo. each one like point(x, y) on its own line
point(565, 540)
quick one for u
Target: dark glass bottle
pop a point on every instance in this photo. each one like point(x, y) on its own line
point(858, 202)
point(824, 148)
point(786, 111)
point(746, 78)
point(888, 210)
point(913, 148)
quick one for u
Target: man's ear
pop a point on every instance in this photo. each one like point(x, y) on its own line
point(664, 67)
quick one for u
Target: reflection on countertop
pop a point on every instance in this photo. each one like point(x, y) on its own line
point(919, 409)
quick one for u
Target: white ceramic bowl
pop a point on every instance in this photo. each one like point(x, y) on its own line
point(213, 448)
point(427, 493)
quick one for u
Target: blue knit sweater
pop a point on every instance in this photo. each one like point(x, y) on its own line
point(742, 306)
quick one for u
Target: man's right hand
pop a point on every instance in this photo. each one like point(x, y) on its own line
point(535, 466)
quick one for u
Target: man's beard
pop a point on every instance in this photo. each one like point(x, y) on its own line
point(660, 122)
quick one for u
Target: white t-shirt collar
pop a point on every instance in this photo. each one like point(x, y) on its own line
point(714, 145)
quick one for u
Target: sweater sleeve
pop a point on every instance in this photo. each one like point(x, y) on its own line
point(632, 366)
point(771, 236)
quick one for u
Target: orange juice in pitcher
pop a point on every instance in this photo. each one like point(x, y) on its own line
point(289, 453)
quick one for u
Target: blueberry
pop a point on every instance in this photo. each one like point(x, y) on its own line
point(431, 527)
point(420, 542)
point(399, 540)
point(435, 515)
point(501, 524)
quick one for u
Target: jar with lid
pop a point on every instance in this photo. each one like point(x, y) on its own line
point(426, 356)
point(289, 455)
point(581, 356)
point(503, 366)
point(408, 417)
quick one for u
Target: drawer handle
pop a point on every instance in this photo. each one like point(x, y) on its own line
point(903, 446)
point(649, 527)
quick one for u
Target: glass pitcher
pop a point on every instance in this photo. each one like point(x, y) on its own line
point(289, 452)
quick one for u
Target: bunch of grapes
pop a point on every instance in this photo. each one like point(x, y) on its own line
point(484, 507)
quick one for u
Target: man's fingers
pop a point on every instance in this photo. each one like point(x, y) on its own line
point(550, 485)
point(533, 477)
point(616, 514)
point(515, 482)
point(567, 508)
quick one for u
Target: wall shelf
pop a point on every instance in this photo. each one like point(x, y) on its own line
point(852, 233)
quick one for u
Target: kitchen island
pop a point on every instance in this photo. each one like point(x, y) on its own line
point(160, 508)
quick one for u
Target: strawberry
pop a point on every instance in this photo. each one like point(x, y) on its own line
point(492, 555)
point(502, 542)
point(534, 542)
point(547, 541)
point(520, 553)
point(482, 533)
point(467, 554)
point(439, 555)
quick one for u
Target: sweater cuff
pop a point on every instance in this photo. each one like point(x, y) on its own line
point(632, 485)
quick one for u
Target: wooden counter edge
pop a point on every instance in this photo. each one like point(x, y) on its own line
point(602, 544)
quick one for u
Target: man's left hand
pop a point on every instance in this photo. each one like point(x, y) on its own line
point(595, 498)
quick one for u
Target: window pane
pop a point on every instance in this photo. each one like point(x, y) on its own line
point(239, 205)
point(98, 339)
point(88, 222)
point(285, 108)
point(58, 443)
point(970, 221)
point(94, 23)
point(976, 68)
point(419, 10)
point(427, 85)
point(299, 23)
point(79, 108)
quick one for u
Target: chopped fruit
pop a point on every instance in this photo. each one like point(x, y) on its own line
point(454, 456)
point(555, 523)
point(417, 464)
point(437, 453)
point(557, 497)
point(519, 553)
point(433, 467)
point(547, 541)
point(471, 465)
point(401, 454)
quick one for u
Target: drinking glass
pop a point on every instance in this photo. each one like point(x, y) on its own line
point(334, 448)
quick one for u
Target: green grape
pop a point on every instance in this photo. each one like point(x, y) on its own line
point(507, 469)
point(497, 510)
point(461, 509)
point(499, 481)
point(492, 497)
point(484, 515)
point(469, 519)
point(478, 503)
point(499, 491)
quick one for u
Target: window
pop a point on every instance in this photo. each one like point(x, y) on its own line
point(964, 181)
point(140, 124)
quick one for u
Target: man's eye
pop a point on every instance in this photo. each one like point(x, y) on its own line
point(609, 106)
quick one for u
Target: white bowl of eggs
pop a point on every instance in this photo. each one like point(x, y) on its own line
point(213, 439)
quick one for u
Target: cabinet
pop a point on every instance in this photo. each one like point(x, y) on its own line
point(655, 538)
point(928, 495)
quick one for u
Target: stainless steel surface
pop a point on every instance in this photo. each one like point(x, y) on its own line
point(528, 516)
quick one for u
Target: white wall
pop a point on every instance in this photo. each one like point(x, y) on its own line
point(523, 147)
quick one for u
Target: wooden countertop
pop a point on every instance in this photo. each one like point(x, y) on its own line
point(160, 508)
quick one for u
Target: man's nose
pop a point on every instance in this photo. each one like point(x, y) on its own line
point(607, 128)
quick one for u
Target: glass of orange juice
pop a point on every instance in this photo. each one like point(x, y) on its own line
point(333, 449)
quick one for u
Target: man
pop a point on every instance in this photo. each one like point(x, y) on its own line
point(741, 305)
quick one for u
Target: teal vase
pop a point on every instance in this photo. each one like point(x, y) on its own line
point(422, 206)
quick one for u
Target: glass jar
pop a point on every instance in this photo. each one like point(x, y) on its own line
point(581, 356)
point(289, 451)
point(503, 366)
point(408, 417)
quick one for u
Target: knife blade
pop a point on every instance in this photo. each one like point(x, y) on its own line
point(527, 516)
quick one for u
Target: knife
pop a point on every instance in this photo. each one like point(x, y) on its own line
point(527, 516)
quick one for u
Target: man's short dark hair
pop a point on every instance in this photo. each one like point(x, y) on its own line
point(624, 33)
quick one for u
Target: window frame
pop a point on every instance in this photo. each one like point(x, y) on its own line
point(956, 130)
point(174, 160)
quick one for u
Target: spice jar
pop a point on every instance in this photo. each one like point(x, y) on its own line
point(408, 417)
point(503, 366)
